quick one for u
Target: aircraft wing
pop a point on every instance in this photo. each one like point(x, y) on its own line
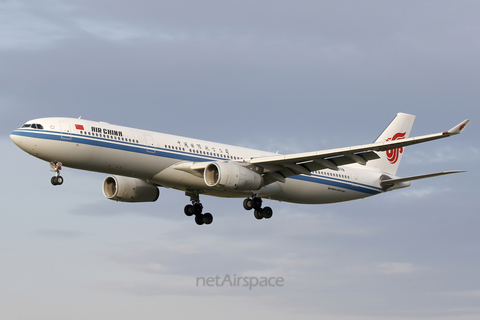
point(277, 168)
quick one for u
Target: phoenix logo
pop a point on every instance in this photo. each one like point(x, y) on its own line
point(394, 154)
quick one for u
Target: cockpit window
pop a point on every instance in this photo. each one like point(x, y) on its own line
point(33, 125)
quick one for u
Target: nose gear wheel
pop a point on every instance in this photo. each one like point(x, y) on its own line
point(56, 180)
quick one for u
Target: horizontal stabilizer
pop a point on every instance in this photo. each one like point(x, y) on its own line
point(390, 182)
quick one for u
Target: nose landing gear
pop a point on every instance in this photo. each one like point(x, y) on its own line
point(57, 179)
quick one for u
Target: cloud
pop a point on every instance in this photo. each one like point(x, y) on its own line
point(419, 192)
point(22, 27)
point(112, 31)
point(443, 154)
point(30, 25)
point(58, 233)
point(401, 268)
point(471, 293)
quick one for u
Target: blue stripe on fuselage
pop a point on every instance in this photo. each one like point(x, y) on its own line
point(178, 155)
point(345, 184)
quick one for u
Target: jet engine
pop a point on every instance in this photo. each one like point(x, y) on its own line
point(126, 189)
point(230, 176)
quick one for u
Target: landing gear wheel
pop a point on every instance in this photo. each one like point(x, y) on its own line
point(57, 179)
point(247, 204)
point(258, 214)
point(188, 210)
point(197, 208)
point(207, 218)
point(199, 219)
point(267, 212)
point(257, 203)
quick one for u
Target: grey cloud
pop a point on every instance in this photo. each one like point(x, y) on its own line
point(58, 233)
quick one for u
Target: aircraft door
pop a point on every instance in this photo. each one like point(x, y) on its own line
point(65, 128)
point(150, 144)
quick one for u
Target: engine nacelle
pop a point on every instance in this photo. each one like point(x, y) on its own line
point(126, 189)
point(231, 176)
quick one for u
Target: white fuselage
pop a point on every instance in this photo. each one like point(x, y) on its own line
point(152, 156)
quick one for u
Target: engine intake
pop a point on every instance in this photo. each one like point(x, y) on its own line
point(126, 189)
point(230, 176)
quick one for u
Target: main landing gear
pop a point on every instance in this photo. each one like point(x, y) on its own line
point(196, 209)
point(57, 179)
point(256, 204)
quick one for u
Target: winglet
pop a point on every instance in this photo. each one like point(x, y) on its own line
point(459, 127)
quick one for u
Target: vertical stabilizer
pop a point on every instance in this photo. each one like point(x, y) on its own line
point(398, 129)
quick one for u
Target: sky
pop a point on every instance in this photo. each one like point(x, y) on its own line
point(286, 76)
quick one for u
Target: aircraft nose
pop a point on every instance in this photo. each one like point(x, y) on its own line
point(19, 140)
point(24, 143)
point(16, 139)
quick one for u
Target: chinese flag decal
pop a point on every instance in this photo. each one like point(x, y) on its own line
point(79, 127)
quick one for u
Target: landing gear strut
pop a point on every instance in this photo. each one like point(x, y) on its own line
point(196, 209)
point(57, 179)
point(256, 204)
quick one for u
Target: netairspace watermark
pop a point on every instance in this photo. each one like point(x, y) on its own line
point(235, 281)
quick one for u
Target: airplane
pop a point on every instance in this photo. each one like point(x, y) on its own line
point(139, 162)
